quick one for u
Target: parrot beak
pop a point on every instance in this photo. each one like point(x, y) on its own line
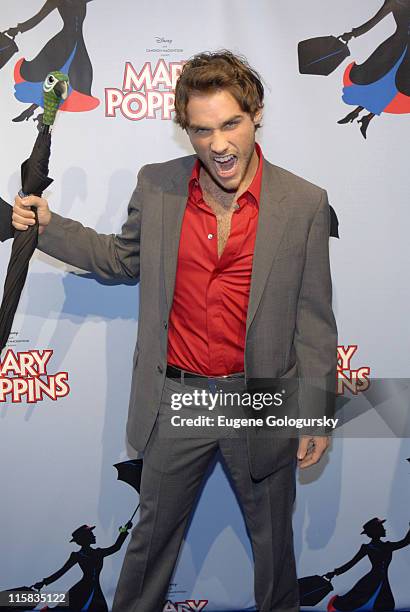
point(61, 89)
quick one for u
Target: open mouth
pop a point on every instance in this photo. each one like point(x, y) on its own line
point(225, 165)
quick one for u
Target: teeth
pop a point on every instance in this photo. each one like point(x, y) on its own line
point(224, 158)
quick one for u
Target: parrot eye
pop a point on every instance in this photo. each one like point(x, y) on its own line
point(49, 83)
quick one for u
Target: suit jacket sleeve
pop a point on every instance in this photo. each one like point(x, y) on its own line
point(316, 331)
point(109, 256)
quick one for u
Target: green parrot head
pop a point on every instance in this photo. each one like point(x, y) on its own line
point(55, 88)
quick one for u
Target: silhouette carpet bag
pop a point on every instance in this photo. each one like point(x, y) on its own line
point(321, 55)
point(313, 589)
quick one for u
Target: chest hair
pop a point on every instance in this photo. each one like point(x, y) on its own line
point(223, 206)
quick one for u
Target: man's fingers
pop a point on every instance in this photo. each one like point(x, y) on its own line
point(311, 449)
point(22, 220)
point(310, 458)
point(20, 226)
point(30, 200)
point(25, 204)
point(23, 217)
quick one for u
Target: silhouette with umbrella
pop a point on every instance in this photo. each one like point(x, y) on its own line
point(372, 591)
point(65, 52)
point(382, 83)
point(87, 593)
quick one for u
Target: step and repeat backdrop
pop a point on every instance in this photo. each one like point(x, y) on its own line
point(340, 118)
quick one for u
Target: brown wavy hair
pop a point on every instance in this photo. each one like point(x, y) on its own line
point(212, 71)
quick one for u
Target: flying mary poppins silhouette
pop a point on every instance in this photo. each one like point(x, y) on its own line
point(380, 84)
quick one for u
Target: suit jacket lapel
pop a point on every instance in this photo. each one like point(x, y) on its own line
point(174, 202)
point(272, 221)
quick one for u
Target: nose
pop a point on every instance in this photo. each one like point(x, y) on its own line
point(219, 144)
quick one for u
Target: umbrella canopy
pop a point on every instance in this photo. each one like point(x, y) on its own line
point(6, 228)
point(34, 179)
point(321, 55)
point(130, 472)
point(313, 589)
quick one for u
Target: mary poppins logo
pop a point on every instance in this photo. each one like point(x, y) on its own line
point(350, 379)
point(24, 377)
point(147, 93)
point(189, 605)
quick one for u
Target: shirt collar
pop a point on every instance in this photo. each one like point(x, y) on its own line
point(254, 189)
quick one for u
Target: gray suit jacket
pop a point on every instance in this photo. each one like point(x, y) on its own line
point(290, 327)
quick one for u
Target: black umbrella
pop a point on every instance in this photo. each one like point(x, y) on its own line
point(321, 55)
point(313, 589)
point(130, 472)
point(34, 179)
point(6, 228)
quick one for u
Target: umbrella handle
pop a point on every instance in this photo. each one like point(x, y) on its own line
point(135, 511)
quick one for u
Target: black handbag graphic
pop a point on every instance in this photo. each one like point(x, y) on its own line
point(321, 55)
point(7, 48)
point(312, 589)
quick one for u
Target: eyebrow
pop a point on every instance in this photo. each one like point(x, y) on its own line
point(193, 126)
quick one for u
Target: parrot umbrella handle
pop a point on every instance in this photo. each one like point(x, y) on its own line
point(34, 179)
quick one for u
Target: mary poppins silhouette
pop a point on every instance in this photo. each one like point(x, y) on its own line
point(65, 52)
point(372, 591)
point(382, 83)
point(87, 593)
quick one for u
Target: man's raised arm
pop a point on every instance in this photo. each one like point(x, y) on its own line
point(109, 256)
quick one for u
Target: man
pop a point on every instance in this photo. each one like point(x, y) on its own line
point(233, 260)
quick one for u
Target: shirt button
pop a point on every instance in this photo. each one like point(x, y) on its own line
point(210, 236)
point(165, 325)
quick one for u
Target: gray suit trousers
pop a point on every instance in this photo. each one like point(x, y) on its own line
point(173, 470)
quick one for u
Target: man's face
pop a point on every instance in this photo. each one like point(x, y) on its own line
point(223, 137)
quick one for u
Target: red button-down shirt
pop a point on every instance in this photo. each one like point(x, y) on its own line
point(207, 323)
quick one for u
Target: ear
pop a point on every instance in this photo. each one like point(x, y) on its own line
point(258, 116)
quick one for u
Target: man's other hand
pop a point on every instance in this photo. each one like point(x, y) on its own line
point(23, 216)
point(311, 448)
